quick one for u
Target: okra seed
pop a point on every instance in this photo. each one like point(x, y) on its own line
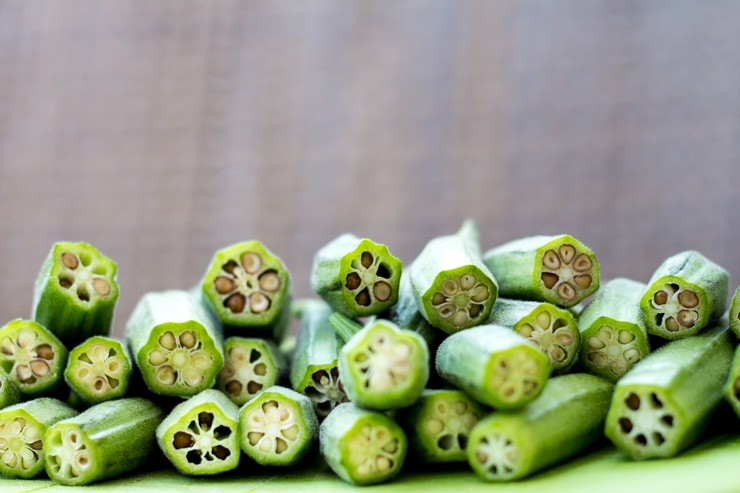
point(366, 259)
point(660, 298)
point(551, 260)
point(70, 260)
point(526, 330)
point(633, 401)
point(65, 282)
point(625, 424)
point(566, 291)
point(671, 324)
point(258, 302)
point(101, 286)
point(667, 420)
point(40, 368)
point(543, 319)
point(236, 302)
point(382, 291)
point(632, 355)
point(157, 357)
point(687, 318)
point(689, 299)
point(567, 253)
point(625, 336)
point(45, 351)
point(582, 263)
point(467, 281)
point(352, 281)
point(583, 281)
point(167, 340)
point(549, 279)
point(595, 342)
point(438, 299)
point(363, 298)
point(224, 285)
point(269, 281)
point(251, 262)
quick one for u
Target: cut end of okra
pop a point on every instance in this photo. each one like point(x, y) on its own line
point(71, 455)
point(99, 369)
point(555, 331)
point(250, 366)
point(460, 298)
point(494, 454)
point(325, 389)
point(32, 356)
point(83, 273)
point(675, 308)
point(246, 285)
point(515, 377)
point(611, 348)
point(21, 444)
point(370, 276)
point(566, 271)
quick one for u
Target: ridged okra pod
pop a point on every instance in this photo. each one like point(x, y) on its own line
point(76, 292)
point(732, 387)
point(613, 330)
point(99, 370)
point(407, 316)
point(558, 269)
point(356, 277)
point(33, 357)
point(361, 446)
point(250, 366)
point(9, 393)
point(735, 313)
point(22, 428)
point(453, 289)
point(108, 440)
point(176, 344)
point(553, 329)
point(663, 404)
point(684, 294)
point(494, 365)
point(563, 421)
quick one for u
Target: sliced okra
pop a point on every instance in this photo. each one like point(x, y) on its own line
point(553, 329)
point(22, 428)
point(108, 440)
point(250, 366)
point(362, 446)
point(356, 277)
point(32, 357)
point(384, 367)
point(686, 293)
point(99, 370)
point(558, 269)
point(613, 330)
point(76, 292)
point(175, 342)
point(735, 313)
point(563, 421)
point(9, 393)
point(663, 404)
point(732, 387)
point(494, 365)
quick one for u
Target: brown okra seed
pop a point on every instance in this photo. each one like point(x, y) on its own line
point(224, 285)
point(70, 260)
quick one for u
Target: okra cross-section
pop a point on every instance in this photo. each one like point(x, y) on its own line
point(250, 366)
point(200, 436)
point(684, 294)
point(175, 343)
point(22, 428)
point(664, 403)
point(735, 313)
point(732, 387)
point(76, 292)
point(278, 427)
point(32, 357)
point(494, 365)
point(9, 393)
point(356, 277)
point(558, 269)
point(99, 370)
point(361, 446)
point(384, 367)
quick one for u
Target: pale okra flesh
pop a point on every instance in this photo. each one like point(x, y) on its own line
point(735, 313)
point(108, 440)
point(613, 330)
point(732, 387)
point(22, 428)
point(494, 365)
point(553, 329)
point(563, 421)
point(99, 370)
point(76, 292)
point(356, 277)
point(250, 366)
point(361, 446)
point(9, 393)
point(664, 403)
point(557, 269)
point(176, 343)
point(200, 436)
point(277, 427)
point(32, 357)
point(685, 293)
point(384, 367)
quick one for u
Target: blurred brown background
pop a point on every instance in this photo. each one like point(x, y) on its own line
point(161, 131)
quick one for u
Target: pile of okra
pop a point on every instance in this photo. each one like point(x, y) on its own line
point(491, 358)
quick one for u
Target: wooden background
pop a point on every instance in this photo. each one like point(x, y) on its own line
point(163, 130)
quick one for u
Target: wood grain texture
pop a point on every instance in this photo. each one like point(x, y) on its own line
point(161, 131)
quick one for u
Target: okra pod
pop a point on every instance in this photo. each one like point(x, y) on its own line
point(735, 313)
point(277, 427)
point(494, 365)
point(663, 404)
point(108, 440)
point(356, 277)
point(361, 446)
point(732, 387)
point(176, 344)
point(32, 357)
point(563, 421)
point(9, 393)
point(558, 269)
point(686, 293)
point(99, 370)
point(250, 366)
point(22, 428)
point(613, 330)
point(76, 292)
point(407, 316)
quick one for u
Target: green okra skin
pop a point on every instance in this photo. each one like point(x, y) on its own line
point(176, 343)
point(438, 425)
point(452, 287)
point(344, 326)
point(613, 330)
point(494, 365)
point(250, 366)
point(22, 428)
point(558, 269)
point(33, 357)
point(361, 446)
point(735, 313)
point(383, 367)
point(567, 418)
point(76, 292)
point(109, 439)
point(356, 277)
point(732, 387)
point(407, 316)
point(664, 403)
point(278, 427)
point(9, 393)
point(99, 370)
point(552, 329)
point(684, 295)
